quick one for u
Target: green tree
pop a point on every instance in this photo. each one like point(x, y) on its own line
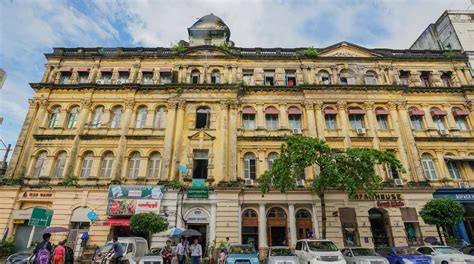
point(442, 212)
point(146, 224)
point(351, 171)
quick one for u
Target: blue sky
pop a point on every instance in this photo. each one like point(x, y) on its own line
point(28, 29)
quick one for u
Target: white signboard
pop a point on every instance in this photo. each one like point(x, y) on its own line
point(147, 206)
point(197, 216)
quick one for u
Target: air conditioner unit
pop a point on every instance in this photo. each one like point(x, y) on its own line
point(443, 132)
point(248, 182)
point(398, 182)
point(300, 183)
point(463, 185)
point(297, 131)
point(99, 81)
point(360, 131)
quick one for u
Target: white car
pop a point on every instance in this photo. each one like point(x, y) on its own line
point(279, 255)
point(359, 255)
point(318, 251)
point(446, 255)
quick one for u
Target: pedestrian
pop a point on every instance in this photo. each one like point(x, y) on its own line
point(117, 248)
point(166, 252)
point(227, 246)
point(181, 251)
point(42, 251)
point(222, 257)
point(59, 253)
point(196, 252)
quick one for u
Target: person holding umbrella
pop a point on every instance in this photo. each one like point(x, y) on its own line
point(196, 252)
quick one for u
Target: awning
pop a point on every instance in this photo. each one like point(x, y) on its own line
point(438, 113)
point(381, 112)
point(330, 111)
point(166, 69)
point(83, 69)
point(249, 110)
point(147, 69)
point(117, 222)
point(356, 112)
point(467, 158)
point(416, 113)
point(23, 214)
point(294, 111)
point(106, 69)
point(460, 113)
point(65, 69)
point(124, 69)
point(271, 111)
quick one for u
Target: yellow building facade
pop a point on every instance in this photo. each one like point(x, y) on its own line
point(135, 115)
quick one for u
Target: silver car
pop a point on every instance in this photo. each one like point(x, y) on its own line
point(359, 255)
point(281, 255)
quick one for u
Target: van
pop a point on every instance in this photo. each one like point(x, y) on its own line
point(318, 251)
point(134, 248)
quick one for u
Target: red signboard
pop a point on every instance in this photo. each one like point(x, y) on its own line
point(390, 203)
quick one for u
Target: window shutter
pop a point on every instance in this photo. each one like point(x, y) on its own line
point(409, 214)
point(347, 215)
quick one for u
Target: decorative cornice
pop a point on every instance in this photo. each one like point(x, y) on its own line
point(369, 105)
point(341, 105)
point(129, 103)
point(392, 105)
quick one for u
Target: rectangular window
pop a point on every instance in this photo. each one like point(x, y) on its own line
point(271, 121)
point(123, 77)
point(200, 164)
point(250, 169)
point(412, 227)
point(461, 123)
point(65, 77)
point(165, 77)
point(330, 121)
point(106, 77)
point(86, 168)
point(106, 170)
point(453, 169)
point(295, 121)
point(247, 77)
point(382, 121)
point(290, 78)
point(147, 78)
point(425, 78)
point(356, 121)
point(268, 78)
point(350, 234)
point(417, 122)
point(154, 168)
point(202, 118)
point(83, 77)
point(439, 122)
point(248, 121)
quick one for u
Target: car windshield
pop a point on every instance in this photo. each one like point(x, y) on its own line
point(243, 249)
point(360, 252)
point(321, 246)
point(108, 246)
point(407, 251)
point(446, 250)
point(281, 252)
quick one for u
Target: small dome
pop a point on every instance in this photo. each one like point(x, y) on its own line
point(211, 22)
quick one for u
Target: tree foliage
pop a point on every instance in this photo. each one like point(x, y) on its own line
point(442, 211)
point(148, 223)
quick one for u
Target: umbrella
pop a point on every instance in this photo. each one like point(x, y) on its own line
point(173, 232)
point(55, 229)
point(190, 233)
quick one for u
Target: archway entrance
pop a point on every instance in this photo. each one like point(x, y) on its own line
point(250, 227)
point(198, 219)
point(380, 227)
point(304, 224)
point(276, 226)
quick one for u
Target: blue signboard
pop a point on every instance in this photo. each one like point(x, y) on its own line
point(463, 195)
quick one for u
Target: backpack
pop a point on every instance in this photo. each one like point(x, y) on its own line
point(43, 255)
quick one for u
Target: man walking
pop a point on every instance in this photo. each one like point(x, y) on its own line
point(196, 252)
point(181, 251)
point(42, 251)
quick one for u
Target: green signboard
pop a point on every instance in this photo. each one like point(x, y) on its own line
point(198, 183)
point(198, 193)
point(41, 217)
point(135, 192)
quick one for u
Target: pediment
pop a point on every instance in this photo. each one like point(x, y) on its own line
point(345, 49)
point(201, 135)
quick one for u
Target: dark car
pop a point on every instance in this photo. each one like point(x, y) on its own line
point(468, 250)
point(21, 256)
point(404, 255)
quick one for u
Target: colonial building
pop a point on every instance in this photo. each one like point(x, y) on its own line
point(208, 110)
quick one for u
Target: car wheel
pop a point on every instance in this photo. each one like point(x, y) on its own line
point(444, 262)
point(471, 252)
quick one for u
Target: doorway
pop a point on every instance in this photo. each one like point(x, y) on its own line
point(380, 227)
point(276, 226)
point(304, 224)
point(250, 228)
point(278, 236)
point(202, 228)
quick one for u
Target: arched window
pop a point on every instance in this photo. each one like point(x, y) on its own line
point(438, 118)
point(303, 214)
point(416, 118)
point(97, 117)
point(276, 212)
point(72, 117)
point(428, 167)
point(294, 118)
point(324, 77)
point(195, 77)
point(87, 164)
point(134, 165)
point(59, 165)
point(250, 166)
point(249, 213)
point(54, 117)
point(248, 118)
point(116, 117)
point(330, 116)
point(141, 117)
point(271, 158)
point(107, 163)
point(203, 117)
point(40, 164)
point(346, 77)
point(453, 167)
point(370, 78)
point(271, 118)
point(460, 117)
point(356, 118)
point(160, 118)
point(215, 77)
point(154, 165)
point(382, 118)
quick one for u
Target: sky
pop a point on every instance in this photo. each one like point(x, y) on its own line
point(30, 28)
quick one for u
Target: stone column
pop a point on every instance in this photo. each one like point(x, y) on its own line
point(45, 77)
point(291, 212)
point(119, 167)
point(401, 146)
point(318, 107)
point(260, 116)
point(428, 118)
point(305, 74)
point(212, 224)
point(311, 120)
point(168, 142)
point(449, 117)
point(369, 107)
point(315, 221)
point(177, 140)
point(234, 73)
point(341, 106)
point(184, 74)
point(262, 228)
point(224, 140)
point(334, 73)
point(283, 118)
point(233, 141)
point(312, 75)
point(470, 106)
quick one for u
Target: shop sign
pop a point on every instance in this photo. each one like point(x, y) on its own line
point(41, 217)
point(198, 193)
point(198, 183)
point(147, 206)
point(464, 197)
point(135, 192)
point(18, 221)
point(197, 216)
point(390, 203)
point(121, 207)
point(37, 195)
point(378, 197)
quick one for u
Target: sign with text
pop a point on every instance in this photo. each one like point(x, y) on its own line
point(197, 216)
point(127, 200)
point(378, 197)
point(147, 206)
point(198, 183)
point(135, 192)
point(197, 193)
point(390, 203)
point(41, 217)
point(121, 207)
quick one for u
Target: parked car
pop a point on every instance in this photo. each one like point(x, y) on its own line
point(20, 257)
point(316, 251)
point(359, 255)
point(134, 249)
point(404, 255)
point(445, 255)
point(468, 250)
point(242, 253)
point(281, 255)
point(151, 259)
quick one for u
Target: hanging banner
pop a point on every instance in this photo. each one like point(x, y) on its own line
point(127, 200)
point(136, 192)
point(147, 206)
point(121, 207)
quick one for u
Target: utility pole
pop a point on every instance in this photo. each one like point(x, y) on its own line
point(7, 149)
